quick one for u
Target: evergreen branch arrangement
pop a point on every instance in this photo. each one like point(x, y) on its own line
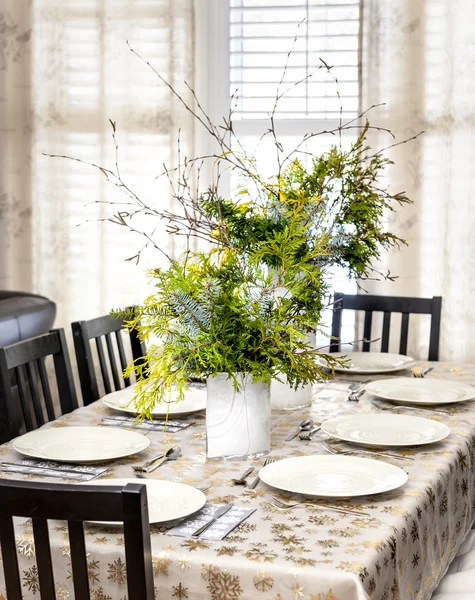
point(247, 303)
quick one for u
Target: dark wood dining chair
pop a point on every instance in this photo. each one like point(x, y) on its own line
point(22, 365)
point(387, 305)
point(75, 504)
point(84, 332)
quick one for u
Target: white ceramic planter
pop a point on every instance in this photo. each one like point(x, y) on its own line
point(284, 397)
point(237, 423)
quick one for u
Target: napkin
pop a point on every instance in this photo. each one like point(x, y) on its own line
point(154, 425)
point(218, 530)
point(54, 469)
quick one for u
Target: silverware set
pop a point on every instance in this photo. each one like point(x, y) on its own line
point(355, 393)
point(329, 448)
point(157, 461)
point(305, 425)
point(383, 405)
point(307, 435)
point(219, 513)
point(290, 505)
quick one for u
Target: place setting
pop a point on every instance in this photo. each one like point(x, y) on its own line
point(319, 481)
point(172, 417)
point(72, 452)
point(369, 363)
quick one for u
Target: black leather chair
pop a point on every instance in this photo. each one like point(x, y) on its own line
point(24, 315)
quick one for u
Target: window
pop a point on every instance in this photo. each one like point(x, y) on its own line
point(262, 33)
point(86, 75)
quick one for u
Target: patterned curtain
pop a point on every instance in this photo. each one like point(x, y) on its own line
point(419, 58)
point(65, 71)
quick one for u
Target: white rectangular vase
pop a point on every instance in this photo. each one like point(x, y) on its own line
point(283, 397)
point(237, 423)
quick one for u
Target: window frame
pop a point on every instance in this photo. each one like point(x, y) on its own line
point(213, 82)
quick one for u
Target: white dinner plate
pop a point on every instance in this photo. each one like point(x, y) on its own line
point(167, 500)
point(371, 363)
point(386, 430)
point(333, 476)
point(80, 444)
point(194, 401)
point(417, 390)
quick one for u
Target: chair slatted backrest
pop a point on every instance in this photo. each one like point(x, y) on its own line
point(388, 305)
point(106, 327)
point(75, 504)
point(26, 360)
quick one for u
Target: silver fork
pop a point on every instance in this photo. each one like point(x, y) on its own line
point(354, 395)
point(143, 468)
point(380, 406)
point(157, 461)
point(306, 436)
point(421, 374)
point(255, 481)
point(333, 450)
point(281, 505)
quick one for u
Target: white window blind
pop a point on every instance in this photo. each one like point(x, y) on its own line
point(262, 33)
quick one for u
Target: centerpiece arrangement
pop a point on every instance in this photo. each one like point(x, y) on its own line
point(238, 313)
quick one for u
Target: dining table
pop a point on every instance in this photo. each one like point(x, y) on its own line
point(401, 550)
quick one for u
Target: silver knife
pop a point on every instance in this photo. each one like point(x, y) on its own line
point(219, 513)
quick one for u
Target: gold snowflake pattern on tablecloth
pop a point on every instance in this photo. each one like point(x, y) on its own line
point(26, 545)
point(31, 579)
point(116, 572)
point(101, 540)
point(99, 594)
point(183, 563)
point(322, 596)
point(207, 570)
point(192, 545)
point(400, 550)
point(160, 565)
point(61, 591)
point(179, 591)
point(224, 586)
point(259, 553)
point(226, 551)
point(263, 581)
point(93, 571)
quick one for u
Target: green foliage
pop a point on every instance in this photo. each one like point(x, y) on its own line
point(222, 312)
point(340, 200)
point(247, 305)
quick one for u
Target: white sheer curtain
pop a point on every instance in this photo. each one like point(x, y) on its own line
point(419, 58)
point(65, 70)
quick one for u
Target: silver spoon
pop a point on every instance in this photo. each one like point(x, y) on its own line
point(242, 480)
point(305, 425)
